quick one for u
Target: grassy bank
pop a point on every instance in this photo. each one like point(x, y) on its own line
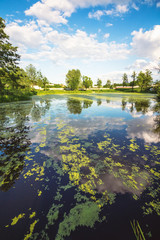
point(21, 96)
point(120, 90)
point(17, 96)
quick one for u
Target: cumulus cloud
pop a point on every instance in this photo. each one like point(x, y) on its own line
point(27, 35)
point(54, 45)
point(97, 15)
point(142, 64)
point(146, 43)
point(45, 12)
point(158, 4)
point(117, 11)
point(53, 11)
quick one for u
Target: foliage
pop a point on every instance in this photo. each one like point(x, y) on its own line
point(87, 82)
point(125, 79)
point(73, 79)
point(108, 84)
point(99, 83)
point(144, 79)
point(8, 53)
point(134, 80)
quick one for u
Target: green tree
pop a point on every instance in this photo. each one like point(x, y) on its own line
point(87, 82)
point(125, 79)
point(144, 79)
point(44, 82)
point(108, 84)
point(8, 58)
point(99, 83)
point(133, 76)
point(32, 75)
point(73, 79)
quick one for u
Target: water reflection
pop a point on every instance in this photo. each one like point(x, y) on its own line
point(14, 144)
point(39, 109)
point(14, 140)
point(79, 166)
point(75, 106)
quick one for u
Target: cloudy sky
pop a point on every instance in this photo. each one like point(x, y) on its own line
point(102, 38)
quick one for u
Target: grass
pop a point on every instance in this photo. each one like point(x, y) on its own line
point(20, 96)
point(120, 90)
point(137, 230)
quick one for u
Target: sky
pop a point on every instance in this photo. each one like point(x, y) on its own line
point(102, 38)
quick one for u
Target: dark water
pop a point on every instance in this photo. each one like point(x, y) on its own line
point(80, 167)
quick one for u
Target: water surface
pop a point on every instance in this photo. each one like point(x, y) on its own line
point(80, 167)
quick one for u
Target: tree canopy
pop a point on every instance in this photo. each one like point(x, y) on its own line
point(73, 79)
point(125, 79)
point(99, 83)
point(87, 82)
point(144, 79)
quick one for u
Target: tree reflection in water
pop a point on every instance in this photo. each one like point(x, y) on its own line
point(75, 106)
point(14, 141)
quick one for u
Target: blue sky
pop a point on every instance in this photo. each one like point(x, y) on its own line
point(102, 38)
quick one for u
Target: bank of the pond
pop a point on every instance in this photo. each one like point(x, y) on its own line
point(51, 92)
point(22, 97)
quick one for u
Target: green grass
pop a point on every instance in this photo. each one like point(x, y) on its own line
point(120, 90)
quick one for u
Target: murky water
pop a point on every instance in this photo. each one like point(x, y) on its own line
point(80, 167)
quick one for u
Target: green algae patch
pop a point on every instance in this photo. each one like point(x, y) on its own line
point(53, 214)
point(33, 214)
point(32, 226)
point(16, 219)
point(86, 214)
point(133, 146)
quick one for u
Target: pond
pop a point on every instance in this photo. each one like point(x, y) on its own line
point(80, 167)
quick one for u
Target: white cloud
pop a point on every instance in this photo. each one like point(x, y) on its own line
point(109, 24)
point(45, 12)
point(97, 15)
point(28, 35)
point(135, 7)
point(118, 11)
point(142, 64)
point(53, 11)
point(106, 35)
point(158, 4)
point(81, 45)
point(146, 43)
point(122, 8)
point(53, 45)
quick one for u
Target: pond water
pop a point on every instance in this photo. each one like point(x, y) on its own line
point(80, 167)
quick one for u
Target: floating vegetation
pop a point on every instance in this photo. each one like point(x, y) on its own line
point(85, 214)
point(32, 226)
point(16, 219)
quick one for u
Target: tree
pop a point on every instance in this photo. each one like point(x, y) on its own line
point(8, 53)
point(32, 75)
point(134, 80)
point(125, 79)
point(87, 82)
point(44, 82)
point(108, 84)
point(73, 78)
point(99, 83)
point(8, 58)
point(144, 79)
